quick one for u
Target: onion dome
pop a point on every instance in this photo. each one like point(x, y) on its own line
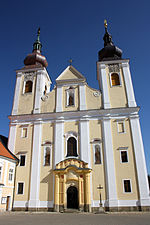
point(35, 58)
point(110, 51)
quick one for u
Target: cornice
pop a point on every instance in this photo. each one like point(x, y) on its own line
point(82, 115)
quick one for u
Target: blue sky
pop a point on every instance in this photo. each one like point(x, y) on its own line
point(75, 29)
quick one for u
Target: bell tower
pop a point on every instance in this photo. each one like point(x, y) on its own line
point(114, 77)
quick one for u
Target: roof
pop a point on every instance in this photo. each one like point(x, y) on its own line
point(4, 151)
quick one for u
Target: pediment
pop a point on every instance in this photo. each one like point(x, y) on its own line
point(70, 74)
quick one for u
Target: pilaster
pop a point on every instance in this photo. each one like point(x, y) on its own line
point(56, 195)
point(102, 78)
point(12, 138)
point(17, 93)
point(128, 84)
point(140, 161)
point(35, 167)
point(59, 106)
point(109, 163)
point(82, 96)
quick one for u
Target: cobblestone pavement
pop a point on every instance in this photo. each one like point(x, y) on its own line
point(28, 218)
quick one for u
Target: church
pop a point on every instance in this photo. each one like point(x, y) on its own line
point(74, 143)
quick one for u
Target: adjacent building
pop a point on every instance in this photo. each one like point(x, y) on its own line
point(73, 138)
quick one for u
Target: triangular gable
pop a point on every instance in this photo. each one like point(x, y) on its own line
point(70, 74)
point(4, 151)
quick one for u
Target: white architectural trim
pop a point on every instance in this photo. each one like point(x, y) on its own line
point(12, 138)
point(128, 85)
point(35, 167)
point(102, 78)
point(59, 99)
point(46, 204)
point(140, 161)
point(95, 203)
point(126, 203)
point(11, 168)
point(58, 142)
point(39, 88)
point(82, 97)
point(85, 153)
point(21, 204)
point(6, 172)
point(42, 204)
point(17, 94)
point(111, 191)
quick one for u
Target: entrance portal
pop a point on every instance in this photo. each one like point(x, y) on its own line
point(72, 198)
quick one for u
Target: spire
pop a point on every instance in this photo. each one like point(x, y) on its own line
point(110, 51)
point(37, 44)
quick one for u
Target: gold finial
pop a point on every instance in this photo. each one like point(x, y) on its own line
point(105, 24)
point(70, 61)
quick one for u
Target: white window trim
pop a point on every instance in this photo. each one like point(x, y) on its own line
point(20, 159)
point(11, 181)
point(121, 121)
point(22, 132)
point(124, 187)
point(23, 187)
point(111, 81)
point(67, 96)
point(100, 145)
point(124, 150)
point(24, 84)
point(67, 136)
point(44, 152)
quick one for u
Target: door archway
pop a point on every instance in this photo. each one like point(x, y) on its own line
point(72, 198)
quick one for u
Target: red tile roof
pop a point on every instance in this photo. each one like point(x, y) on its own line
point(4, 150)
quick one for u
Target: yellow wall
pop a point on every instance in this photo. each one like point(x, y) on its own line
point(76, 94)
point(92, 101)
point(49, 104)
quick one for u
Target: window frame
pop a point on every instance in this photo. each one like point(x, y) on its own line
point(67, 136)
point(20, 159)
point(68, 91)
point(124, 150)
point(121, 121)
point(99, 143)
point(124, 186)
point(25, 127)
point(44, 152)
point(10, 181)
point(23, 187)
point(111, 80)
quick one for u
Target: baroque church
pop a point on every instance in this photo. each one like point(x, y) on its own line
point(74, 139)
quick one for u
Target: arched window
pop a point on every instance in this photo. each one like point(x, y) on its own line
point(97, 155)
point(72, 147)
point(115, 79)
point(47, 156)
point(28, 86)
point(70, 97)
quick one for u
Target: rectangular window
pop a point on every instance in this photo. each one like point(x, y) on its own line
point(127, 186)
point(24, 132)
point(124, 156)
point(121, 127)
point(10, 178)
point(47, 156)
point(20, 188)
point(0, 172)
point(22, 160)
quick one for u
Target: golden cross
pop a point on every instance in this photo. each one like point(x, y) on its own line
point(70, 61)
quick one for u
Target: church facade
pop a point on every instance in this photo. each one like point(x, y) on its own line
point(74, 139)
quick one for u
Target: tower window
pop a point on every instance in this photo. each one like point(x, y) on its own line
point(47, 156)
point(115, 80)
point(20, 188)
point(121, 128)
point(72, 147)
point(124, 156)
point(22, 160)
point(97, 154)
point(127, 186)
point(28, 86)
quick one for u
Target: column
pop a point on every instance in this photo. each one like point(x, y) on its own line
point(109, 164)
point(102, 78)
point(82, 97)
point(56, 196)
point(64, 189)
point(34, 201)
point(85, 141)
point(80, 202)
point(12, 137)
point(39, 90)
point(17, 94)
point(59, 100)
point(128, 85)
point(87, 193)
point(58, 142)
point(140, 161)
